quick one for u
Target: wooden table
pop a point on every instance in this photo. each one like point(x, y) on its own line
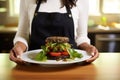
point(106, 67)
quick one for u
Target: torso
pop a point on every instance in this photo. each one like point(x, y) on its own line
point(48, 7)
point(51, 24)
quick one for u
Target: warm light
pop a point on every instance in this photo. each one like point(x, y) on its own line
point(5, 66)
point(14, 7)
point(94, 7)
point(111, 6)
point(3, 9)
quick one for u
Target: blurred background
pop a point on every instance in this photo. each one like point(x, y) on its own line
point(103, 24)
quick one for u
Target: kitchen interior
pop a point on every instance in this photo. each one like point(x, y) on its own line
point(103, 24)
point(103, 30)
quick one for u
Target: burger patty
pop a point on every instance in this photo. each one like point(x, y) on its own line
point(62, 57)
point(57, 39)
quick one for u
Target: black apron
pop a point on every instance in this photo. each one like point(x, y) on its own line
point(51, 24)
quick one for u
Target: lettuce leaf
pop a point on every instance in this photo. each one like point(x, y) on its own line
point(74, 54)
point(41, 56)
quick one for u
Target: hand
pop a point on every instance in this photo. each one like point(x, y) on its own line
point(16, 51)
point(92, 50)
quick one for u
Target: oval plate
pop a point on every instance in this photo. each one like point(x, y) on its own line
point(29, 55)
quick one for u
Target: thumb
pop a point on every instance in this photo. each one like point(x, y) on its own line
point(17, 51)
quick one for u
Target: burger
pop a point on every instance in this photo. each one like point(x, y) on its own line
point(57, 48)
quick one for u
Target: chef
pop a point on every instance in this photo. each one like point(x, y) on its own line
point(44, 18)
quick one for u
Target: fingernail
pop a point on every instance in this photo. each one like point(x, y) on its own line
point(92, 54)
point(18, 56)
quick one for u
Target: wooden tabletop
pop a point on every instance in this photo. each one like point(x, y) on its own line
point(106, 67)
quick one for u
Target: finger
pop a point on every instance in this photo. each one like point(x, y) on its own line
point(17, 52)
point(91, 59)
point(96, 55)
point(14, 58)
point(91, 50)
point(13, 54)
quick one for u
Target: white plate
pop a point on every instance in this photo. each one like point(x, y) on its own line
point(27, 57)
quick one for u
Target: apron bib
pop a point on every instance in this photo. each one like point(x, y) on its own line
point(51, 24)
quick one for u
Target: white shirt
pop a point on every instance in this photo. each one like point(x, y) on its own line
point(79, 13)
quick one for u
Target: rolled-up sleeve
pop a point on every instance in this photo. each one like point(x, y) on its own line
point(82, 29)
point(22, 34)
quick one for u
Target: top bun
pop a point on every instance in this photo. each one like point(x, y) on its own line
point(57, 39)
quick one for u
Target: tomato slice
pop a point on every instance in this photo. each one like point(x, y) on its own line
point(55, 54)
point(65, 53)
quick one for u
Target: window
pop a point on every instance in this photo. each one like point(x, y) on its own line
point(14, 7)
point(94, 7)
point(3, 6)
point(111, 6)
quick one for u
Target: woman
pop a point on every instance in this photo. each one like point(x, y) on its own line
point(52, 18)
